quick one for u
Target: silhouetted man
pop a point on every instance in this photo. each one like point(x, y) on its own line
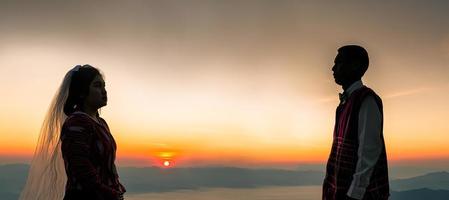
point(357, 165)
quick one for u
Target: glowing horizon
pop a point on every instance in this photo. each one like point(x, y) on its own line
point(234, 83)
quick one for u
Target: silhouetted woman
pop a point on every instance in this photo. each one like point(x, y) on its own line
point(75, 155)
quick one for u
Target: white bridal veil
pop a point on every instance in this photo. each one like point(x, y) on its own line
point(46, 177)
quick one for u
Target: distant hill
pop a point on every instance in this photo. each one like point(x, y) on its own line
point(435, 181)
point(421, 194)
point(156, 179)
point(12, 180)
point(432, 186)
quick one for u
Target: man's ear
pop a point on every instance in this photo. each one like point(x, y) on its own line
point(353, 68)
point(354, 71)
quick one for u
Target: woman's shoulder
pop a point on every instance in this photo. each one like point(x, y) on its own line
point(103, 121)
point(77, 127)
point(77, 119)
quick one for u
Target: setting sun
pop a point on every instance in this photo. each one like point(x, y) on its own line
point(224, 100)
point(252, 92)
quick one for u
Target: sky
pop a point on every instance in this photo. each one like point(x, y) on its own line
point(241, 83)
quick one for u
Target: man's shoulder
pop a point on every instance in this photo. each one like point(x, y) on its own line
point(364, 94)
point(366, 91)
point(369, 96)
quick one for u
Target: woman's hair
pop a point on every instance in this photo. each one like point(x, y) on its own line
point(79, 88)
point(46, 178)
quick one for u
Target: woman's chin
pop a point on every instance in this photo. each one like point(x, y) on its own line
point(102, 104)
point(338, 82)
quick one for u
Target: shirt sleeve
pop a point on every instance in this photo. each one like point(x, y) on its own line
point(76, 138)
point(370, 146)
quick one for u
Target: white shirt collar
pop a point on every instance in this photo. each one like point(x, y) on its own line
point(355, 86)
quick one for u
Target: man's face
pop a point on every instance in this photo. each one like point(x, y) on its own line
point(342, 70)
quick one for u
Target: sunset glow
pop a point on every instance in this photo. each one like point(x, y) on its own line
point(243, 85)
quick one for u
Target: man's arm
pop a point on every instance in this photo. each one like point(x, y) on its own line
point(370, 146)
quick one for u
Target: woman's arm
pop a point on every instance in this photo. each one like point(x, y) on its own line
point(121, 187)
point(76, 138)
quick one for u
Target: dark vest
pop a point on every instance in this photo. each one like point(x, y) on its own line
point(343, 157)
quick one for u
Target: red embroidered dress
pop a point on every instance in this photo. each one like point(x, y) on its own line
point(343, 158)
point(88, 150)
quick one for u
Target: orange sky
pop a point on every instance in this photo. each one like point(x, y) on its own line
point(235, 83)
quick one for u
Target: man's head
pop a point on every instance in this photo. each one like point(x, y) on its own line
point(350, 65)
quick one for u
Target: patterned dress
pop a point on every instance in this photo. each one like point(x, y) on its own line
point(88, 150)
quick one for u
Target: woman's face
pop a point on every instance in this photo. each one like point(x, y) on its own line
point(97, 96)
